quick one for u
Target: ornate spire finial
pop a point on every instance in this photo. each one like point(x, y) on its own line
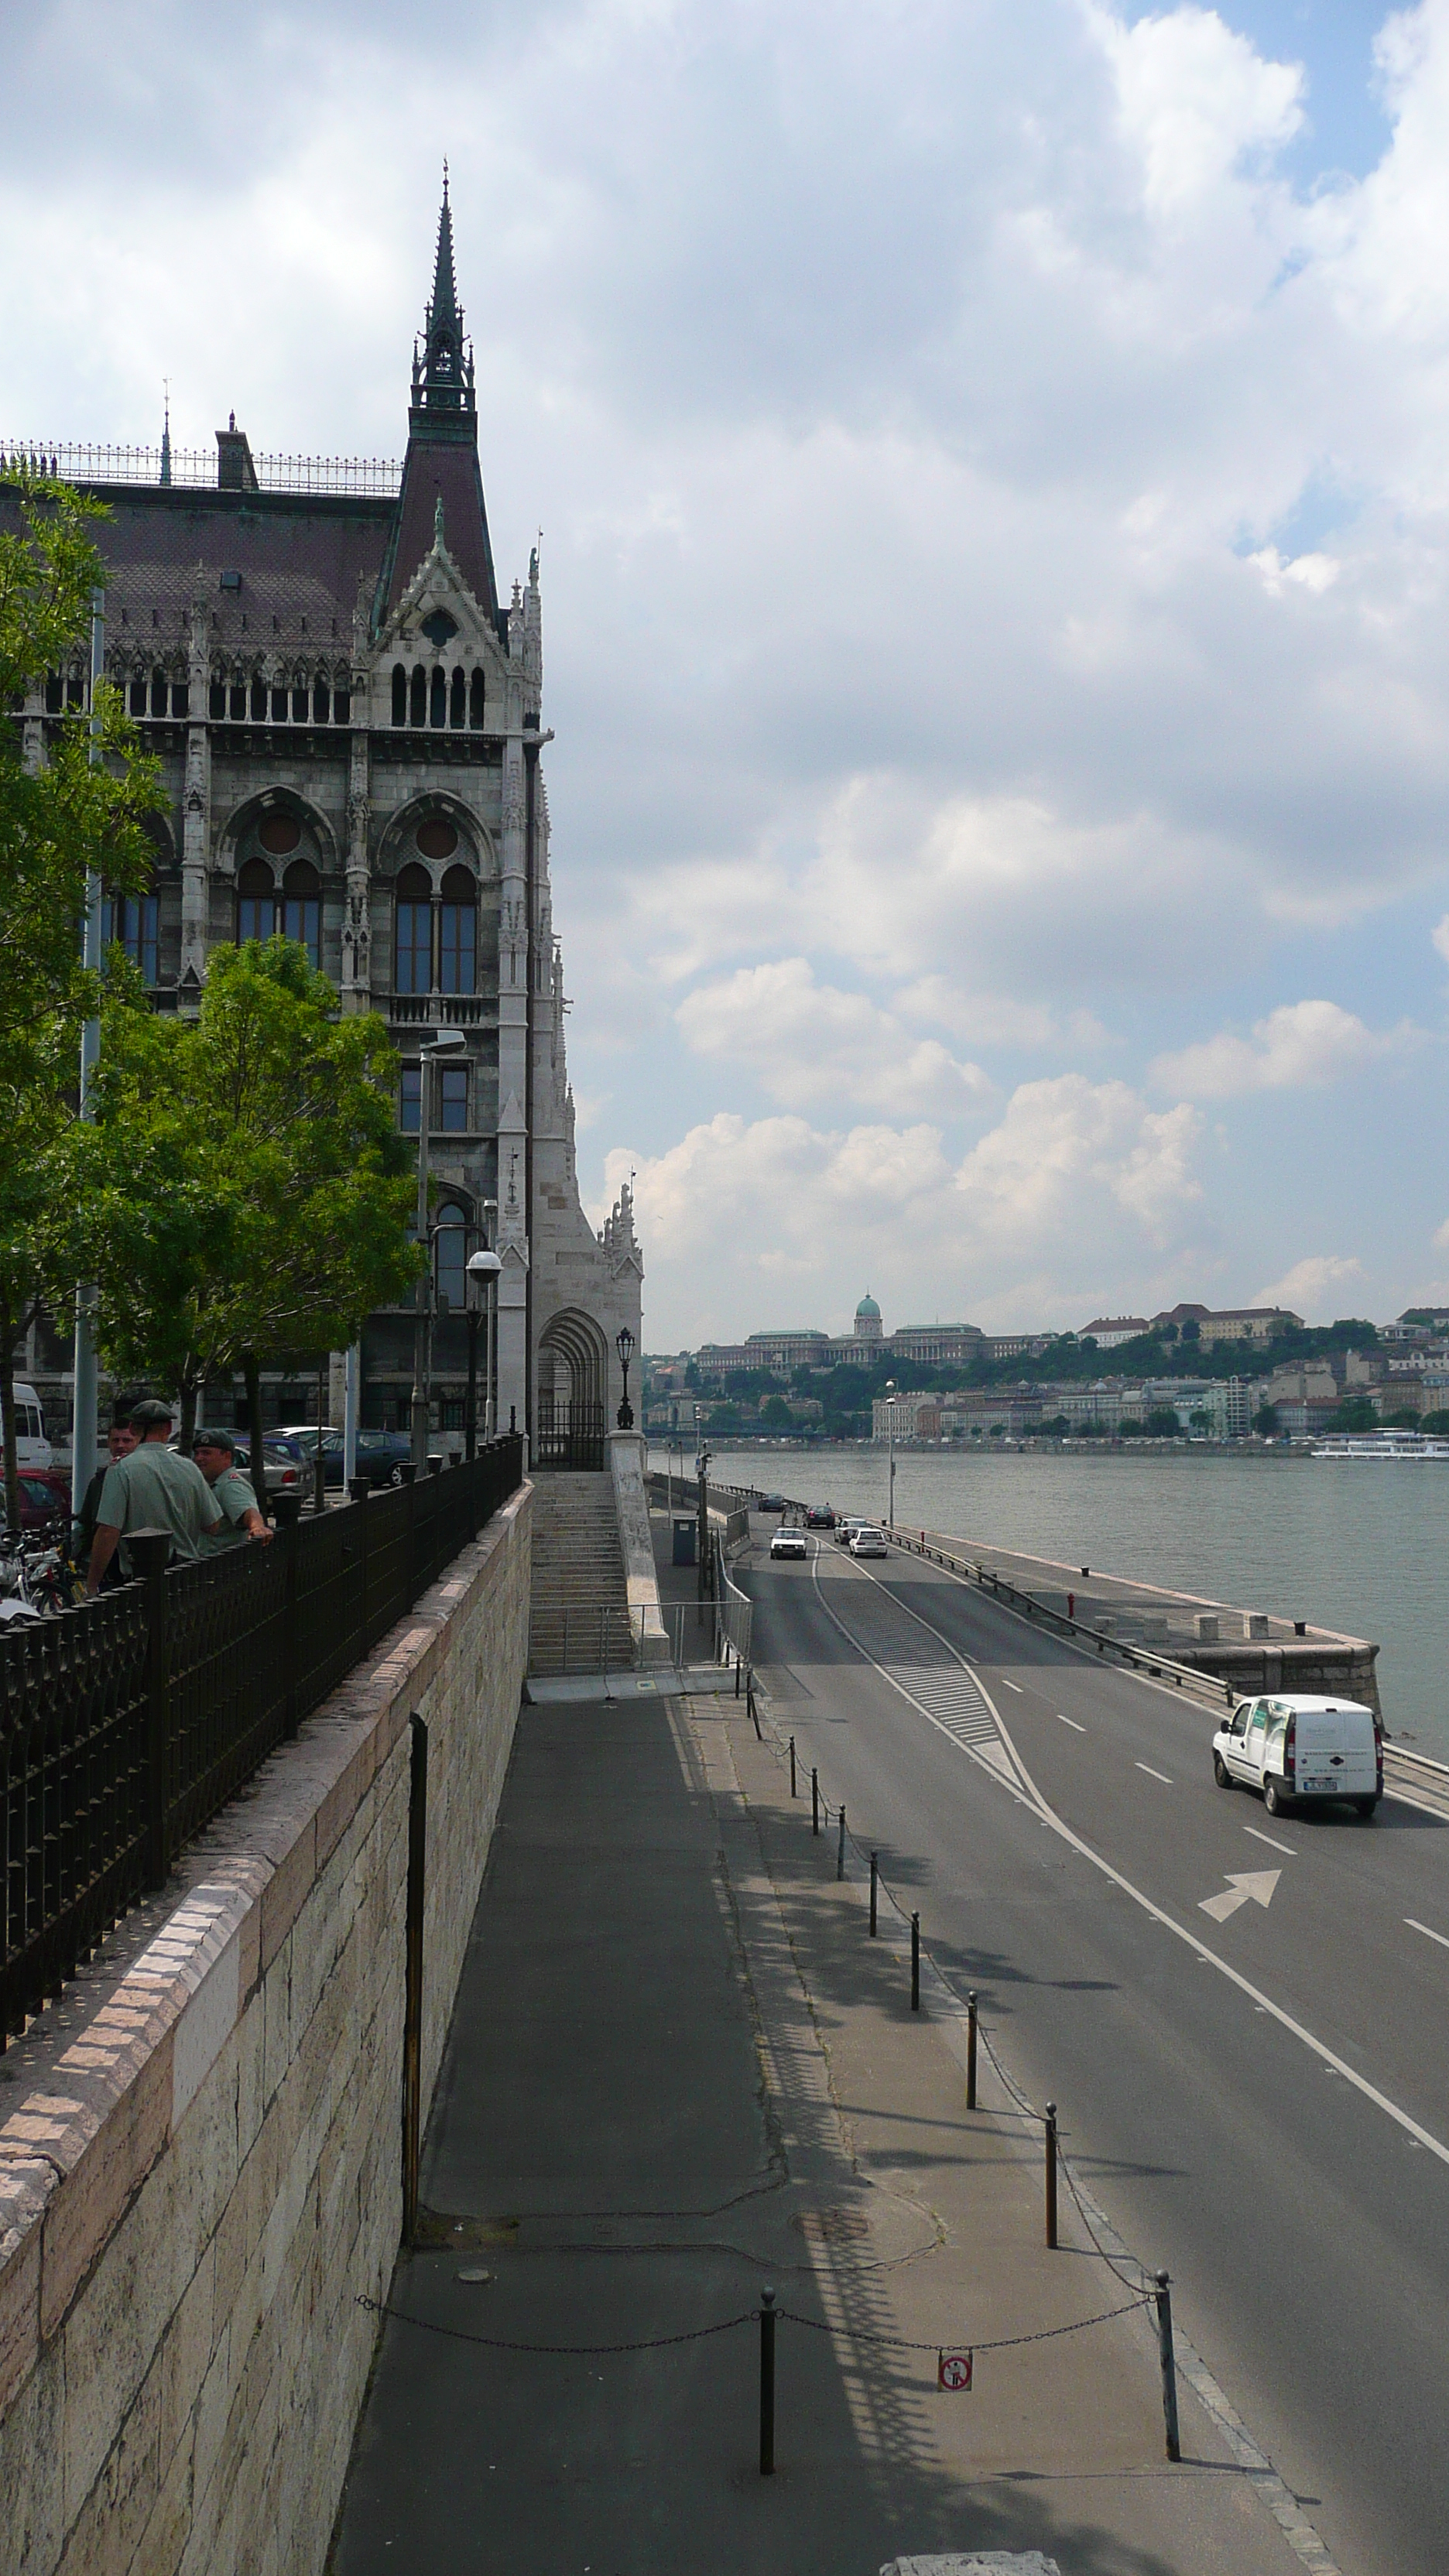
point(445, 378)
point(438, 521)
point(166, 432)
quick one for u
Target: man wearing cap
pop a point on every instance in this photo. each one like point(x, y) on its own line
point(215, 1455)
point(152, 1489)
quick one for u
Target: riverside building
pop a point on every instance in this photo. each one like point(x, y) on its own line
point(349, 722)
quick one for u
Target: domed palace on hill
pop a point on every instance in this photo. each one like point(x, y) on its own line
point(868, 1325)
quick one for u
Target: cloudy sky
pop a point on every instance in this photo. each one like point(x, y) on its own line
point(993, 466)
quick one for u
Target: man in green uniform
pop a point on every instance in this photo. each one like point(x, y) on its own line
point(152, 1489)
point(215, 1455)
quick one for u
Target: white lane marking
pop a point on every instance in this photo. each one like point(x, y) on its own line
point(1155, 1775)
point(1006, 1685)
point(1428, 1935)
point(1210, 1959)
point(1070, 1721)
point(1268, 1839)
point(1255, 1883)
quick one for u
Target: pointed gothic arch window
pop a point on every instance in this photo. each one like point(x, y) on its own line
point(475, 700)
point(158, 693)
point(256, 901)
point(450, 1253)
point(301, 908)
point(438, 712)
point(299, 706)
point(458, 700)
point(413, 947)
point(259, 701)
point(458, 934)
point(420, 695)
point(399, 694)
point(321, 703)
point(133, 920)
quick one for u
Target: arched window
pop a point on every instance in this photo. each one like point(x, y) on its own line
point(256, 901)
point(413, 950)
point(439, 710)
point(137, 698)
point(399, 694)
point(259, 702)
point(457, 704)
point(158, 693)
point(279, 706)
point(475, 700)
point(299, 706)
point(321, 703)
point(302, 907)
point(420, 695)
point(132, 919)
point(451, 1255)
point(237, 695)
point(458, 926)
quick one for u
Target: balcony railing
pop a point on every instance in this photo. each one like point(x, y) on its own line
point(441, 1010)
point(72, 461)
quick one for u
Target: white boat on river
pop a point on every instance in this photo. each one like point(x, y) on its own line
point(1383, 1444)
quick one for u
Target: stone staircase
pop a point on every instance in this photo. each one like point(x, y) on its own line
point(579, 1621)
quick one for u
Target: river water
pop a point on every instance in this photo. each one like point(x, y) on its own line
point(1358, 1546)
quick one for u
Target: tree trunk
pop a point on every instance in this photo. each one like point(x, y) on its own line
point(252, 1379)
point(7, 1418)
point(189, 1393)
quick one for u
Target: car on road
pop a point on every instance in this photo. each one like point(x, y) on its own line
point(867, 1540)
point(1295, 1747)
point(770, 1503)
point(820, 1516)
point(789, 1542)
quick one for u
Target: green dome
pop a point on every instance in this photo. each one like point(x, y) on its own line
point(868, 1306)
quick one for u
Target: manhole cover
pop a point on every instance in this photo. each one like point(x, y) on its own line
point(831, 2226)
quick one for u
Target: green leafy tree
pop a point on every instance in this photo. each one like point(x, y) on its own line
point(1198, 1420)
point(243, 1188)
point(1162, 1422)
point(1266, 1420)
point(1355, 1414)
point(776, 1413)
point(80, 808)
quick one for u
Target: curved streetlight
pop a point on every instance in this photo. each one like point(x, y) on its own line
point(890, 1388)
point(481, 1273)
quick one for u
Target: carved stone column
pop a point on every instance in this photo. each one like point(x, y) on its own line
point(196, 803)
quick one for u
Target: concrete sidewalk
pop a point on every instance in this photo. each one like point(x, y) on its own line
point(680, 2070)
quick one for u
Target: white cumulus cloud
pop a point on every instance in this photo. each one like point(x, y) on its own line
point(1301, 1044)
point(1314, 1288)
point(807, 1041)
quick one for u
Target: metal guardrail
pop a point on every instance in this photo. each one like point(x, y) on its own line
point(82, 461)
point(581, 1637)
point(127, 1723)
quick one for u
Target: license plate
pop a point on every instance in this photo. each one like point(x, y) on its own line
point(1318, 1788)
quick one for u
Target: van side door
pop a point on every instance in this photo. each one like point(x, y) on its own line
point(1235, 1741)
point(1254, 1741)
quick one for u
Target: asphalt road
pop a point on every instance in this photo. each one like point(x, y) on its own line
point(1280, 2143)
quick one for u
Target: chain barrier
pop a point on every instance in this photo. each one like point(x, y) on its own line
point(729, 2325)
point(1024, 2109)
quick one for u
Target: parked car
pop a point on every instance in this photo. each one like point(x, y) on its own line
point(789, 1542)
point(44, 1496)
point(1299, 1747)
point(869, 1541)
point(770, 1503)
point(820, 1516)
point(382, 1456)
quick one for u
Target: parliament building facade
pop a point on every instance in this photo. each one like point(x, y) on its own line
point(349, 723)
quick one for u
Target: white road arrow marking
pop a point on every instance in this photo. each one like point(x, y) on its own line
point(1255, 1883)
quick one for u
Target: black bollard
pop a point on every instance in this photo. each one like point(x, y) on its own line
point(1169, 2366)
point(971, 2050)
point(767, 2383)
point(915, 1963)
point(792, 1766)
point(814, 1799)
point(1051, 2174)
point(874, 1877)
point(840, 1848)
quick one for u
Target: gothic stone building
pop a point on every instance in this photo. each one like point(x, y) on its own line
point(349, 724)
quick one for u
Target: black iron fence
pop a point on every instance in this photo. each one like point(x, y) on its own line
point(125, 1725)
point(569, 1436)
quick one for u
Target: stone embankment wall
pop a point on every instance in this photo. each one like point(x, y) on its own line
point(200, 2151)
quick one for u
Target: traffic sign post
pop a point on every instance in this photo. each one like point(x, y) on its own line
point(953, 2372)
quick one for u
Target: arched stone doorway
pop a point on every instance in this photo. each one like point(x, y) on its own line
point(573, 1375)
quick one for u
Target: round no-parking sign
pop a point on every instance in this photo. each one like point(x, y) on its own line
point(953, 2371)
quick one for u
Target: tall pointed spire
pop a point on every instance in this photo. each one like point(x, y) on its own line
point(443, 369)
point(166, 434)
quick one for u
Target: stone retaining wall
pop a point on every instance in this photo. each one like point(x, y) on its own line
point(200, 2149)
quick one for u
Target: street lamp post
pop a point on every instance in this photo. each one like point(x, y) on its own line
point(890, 1388)
point(483, 1270)
point(432, 1042)
point(624, 1345)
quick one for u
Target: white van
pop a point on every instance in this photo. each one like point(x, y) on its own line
point(32, 1449)
point(1297, 1747)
